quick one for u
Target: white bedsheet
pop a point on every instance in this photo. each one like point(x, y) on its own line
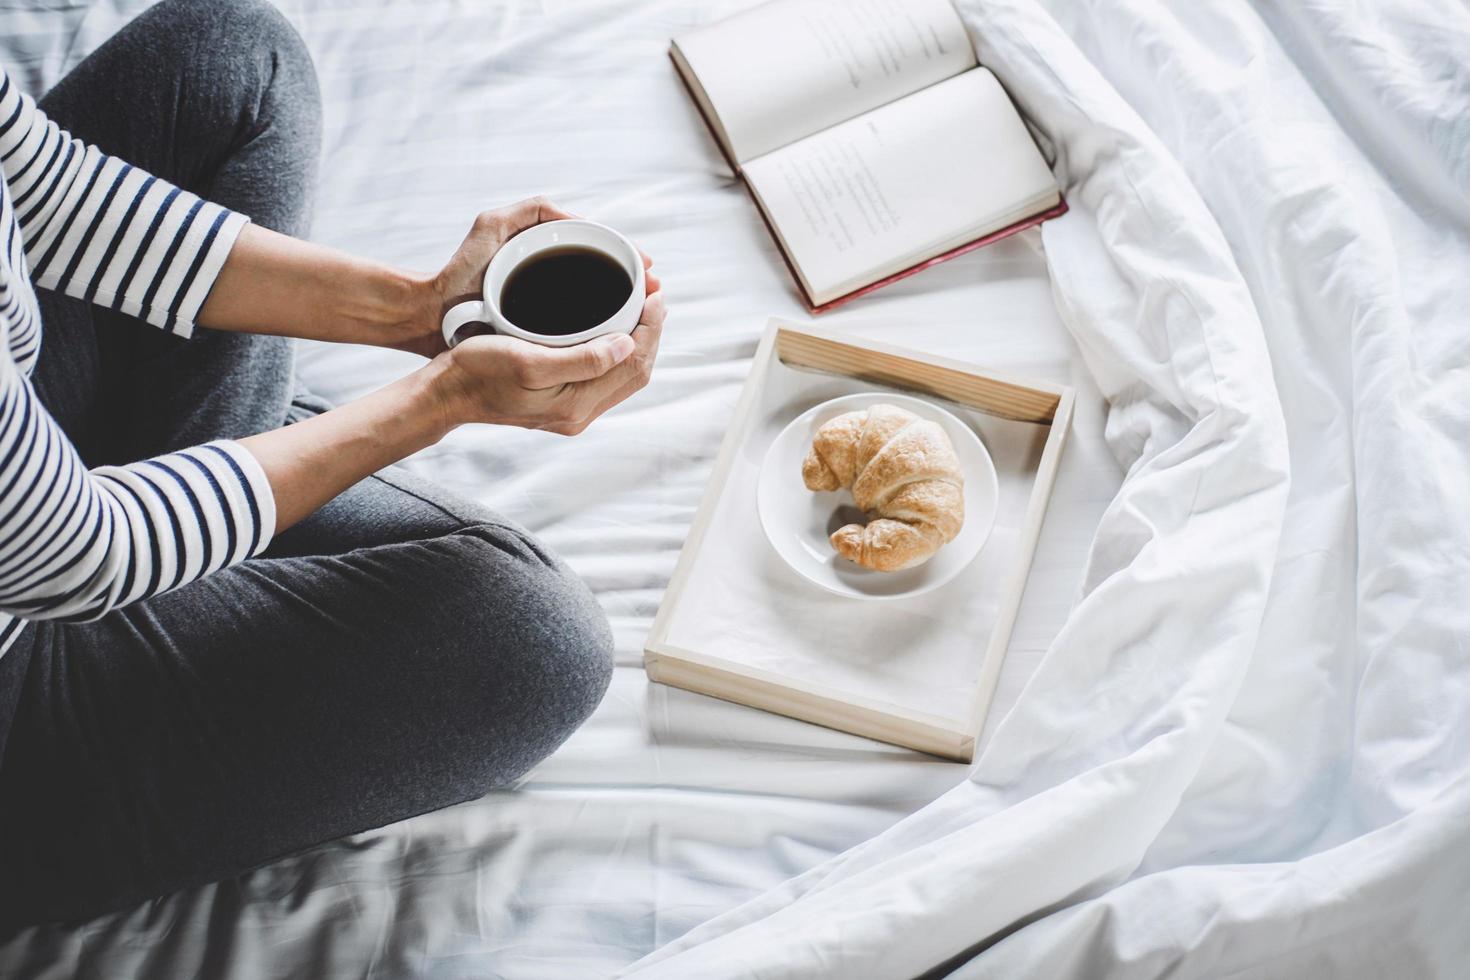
point(1244, 752)
point(668, 808)
point(1245, 755)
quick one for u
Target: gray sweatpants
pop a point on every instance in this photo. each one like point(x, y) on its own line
point(398, 651)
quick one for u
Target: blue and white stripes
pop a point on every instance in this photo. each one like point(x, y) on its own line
point(76, 543)
point(98, 229)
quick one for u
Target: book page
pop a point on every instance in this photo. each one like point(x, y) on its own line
point(911, 180)
point(786, 69)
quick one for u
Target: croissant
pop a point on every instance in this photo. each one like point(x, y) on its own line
point(903, 471)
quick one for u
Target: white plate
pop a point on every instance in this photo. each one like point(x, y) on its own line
point(799, 522)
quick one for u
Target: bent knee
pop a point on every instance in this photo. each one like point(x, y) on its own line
point(536, 628)
point(226, 27)
point(246, 54)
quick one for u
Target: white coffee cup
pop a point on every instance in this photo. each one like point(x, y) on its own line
point(538, 238)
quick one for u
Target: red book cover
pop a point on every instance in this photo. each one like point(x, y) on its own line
point(1057, 210)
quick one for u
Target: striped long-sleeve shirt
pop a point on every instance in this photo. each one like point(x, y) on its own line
point(74, 542)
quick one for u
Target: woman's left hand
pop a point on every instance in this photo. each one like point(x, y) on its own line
point(275, 284)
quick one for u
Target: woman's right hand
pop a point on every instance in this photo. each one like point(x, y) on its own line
point(484, 379)
point(506, 381)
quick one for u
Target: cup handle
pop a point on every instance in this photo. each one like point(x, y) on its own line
point(470, 311)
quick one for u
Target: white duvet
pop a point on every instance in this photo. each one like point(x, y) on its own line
point(1244, 750)
point(1247, 752)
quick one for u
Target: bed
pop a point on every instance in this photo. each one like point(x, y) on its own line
point(1230, 734)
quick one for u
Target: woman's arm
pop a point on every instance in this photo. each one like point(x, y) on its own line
point(485, 379)
point(79, 543)
point(273, 279)
point(274, 284)
point(100, 230)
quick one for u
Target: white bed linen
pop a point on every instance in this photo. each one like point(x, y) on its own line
point(667, 808)
point(1245, 755)
point(1246, 751)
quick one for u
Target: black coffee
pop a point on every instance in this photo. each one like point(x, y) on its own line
point(564, 290)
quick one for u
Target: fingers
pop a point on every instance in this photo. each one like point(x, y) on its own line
point(651, 282)
point(617, 397)
point(646, 337)
point(618, 385)
point(596, 396)
point(549, 367)
point(652, 321)
point(654, 313)
point(563, 390)
point(515, 218)
point(547, 211)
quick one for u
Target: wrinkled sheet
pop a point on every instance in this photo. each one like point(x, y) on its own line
point(1246, 752)
point(1243, 753)
point(668, 808)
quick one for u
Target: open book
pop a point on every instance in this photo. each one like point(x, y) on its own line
point(870, 138)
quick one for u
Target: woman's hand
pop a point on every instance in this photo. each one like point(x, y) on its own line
point(274, 284)
point(463, 277)
point(507, 381)
point(484, 379)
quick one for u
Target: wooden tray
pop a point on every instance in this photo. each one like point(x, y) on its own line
point(785, 649)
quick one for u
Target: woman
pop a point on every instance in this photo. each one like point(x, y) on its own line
point(228, 633)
